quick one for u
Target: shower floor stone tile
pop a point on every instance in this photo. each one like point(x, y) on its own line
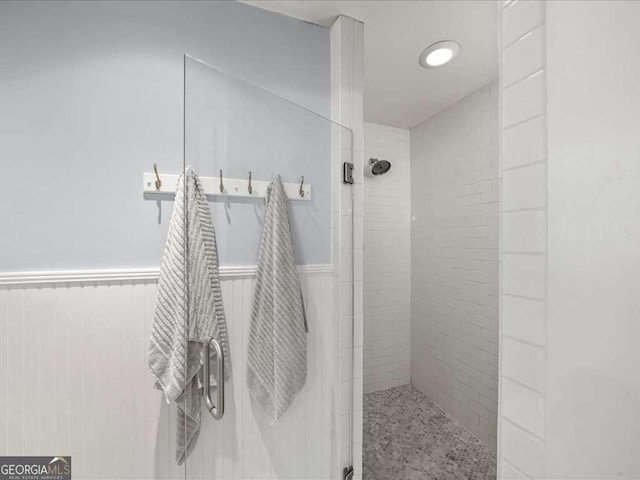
point(406, 436)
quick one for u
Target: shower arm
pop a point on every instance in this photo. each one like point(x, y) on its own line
point(216, 411)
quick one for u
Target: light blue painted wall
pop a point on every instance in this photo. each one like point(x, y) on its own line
point(91, 95)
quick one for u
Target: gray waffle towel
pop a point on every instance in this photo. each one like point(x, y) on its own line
point(188, 282)
point(277, 353)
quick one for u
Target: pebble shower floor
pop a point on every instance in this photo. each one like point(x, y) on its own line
point(407, 436)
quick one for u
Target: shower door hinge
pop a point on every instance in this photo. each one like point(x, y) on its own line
point(347, 473)
point(347, 173)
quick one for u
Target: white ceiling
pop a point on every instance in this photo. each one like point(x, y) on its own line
point(398, 91)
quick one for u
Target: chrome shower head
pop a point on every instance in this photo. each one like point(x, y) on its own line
point(379, 167)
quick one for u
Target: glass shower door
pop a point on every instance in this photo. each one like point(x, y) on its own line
point(237, 139)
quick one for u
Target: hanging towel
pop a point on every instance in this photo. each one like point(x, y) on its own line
point(277, 353)
point(188, 309)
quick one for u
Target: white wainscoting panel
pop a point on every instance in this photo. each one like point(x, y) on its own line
point(76, 382)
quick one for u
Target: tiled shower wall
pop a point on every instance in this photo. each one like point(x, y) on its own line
point(523, 322)
point(454, 250)
point(387, 260)
point(570, 172)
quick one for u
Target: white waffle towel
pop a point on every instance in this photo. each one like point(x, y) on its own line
point(277, 353)
point(188, 309)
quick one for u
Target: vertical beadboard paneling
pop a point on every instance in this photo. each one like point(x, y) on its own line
point(138, 345)
point(75, 367)
point(524, 240)
point(17, 347)
point(4, 371)
point(29, 349)
point(76, 392)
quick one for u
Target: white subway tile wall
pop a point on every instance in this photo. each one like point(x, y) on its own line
point(526, 319)
point(525, 143)
point(520, 17)
point(387, 260)
point(524, 363)
point(521, 450)
point(523, 320)
point(523, 100)
point(525, 231)
point(507, 471)
point(523, 406)
point(524, 275)
point(525, 58)
point(524, 187)
point(454, 251)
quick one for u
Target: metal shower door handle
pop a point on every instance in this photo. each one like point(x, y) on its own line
point(216, 411)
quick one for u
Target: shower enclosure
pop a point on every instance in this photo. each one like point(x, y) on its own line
point(242, 136)
point(237, 136)
point(75, 343)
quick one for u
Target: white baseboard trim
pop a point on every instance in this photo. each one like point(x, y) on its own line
point(129, 275)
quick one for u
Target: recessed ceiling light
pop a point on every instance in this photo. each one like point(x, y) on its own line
point(439, 54)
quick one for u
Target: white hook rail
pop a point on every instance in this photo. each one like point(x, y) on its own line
point(233, 187)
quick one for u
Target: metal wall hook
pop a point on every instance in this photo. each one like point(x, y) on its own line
point(250, 187)
point(221, 184)
point(158, 181)
point(302, 186)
